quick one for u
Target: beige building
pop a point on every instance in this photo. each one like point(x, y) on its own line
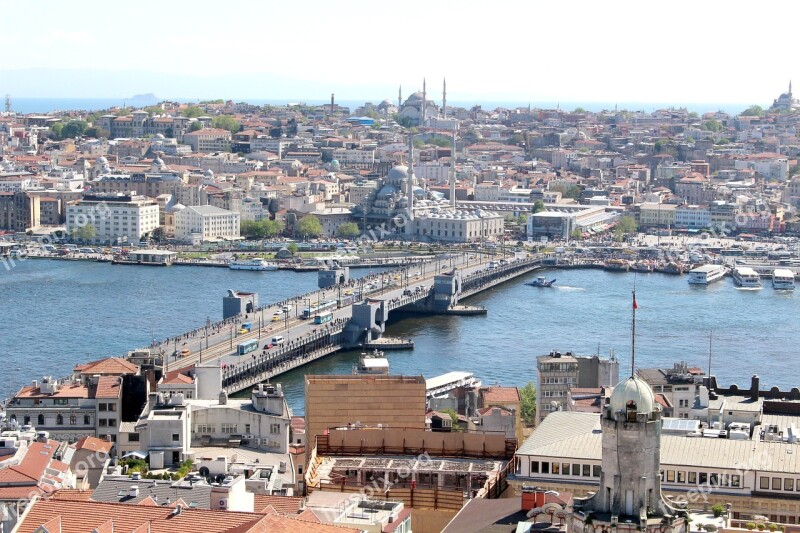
point(209, 140)
point(204, 223)
point(115, 218)
point(660, 215)
point(336, 401)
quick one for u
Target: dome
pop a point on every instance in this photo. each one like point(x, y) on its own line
point(101, 161)
point(209, 173)
point(385, 104)
point(178, 207)
point(414, 97)
point(160, 136)
point(397, 174)
point(633, 391)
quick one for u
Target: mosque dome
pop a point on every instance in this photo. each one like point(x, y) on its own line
point(208, 173)
point(414, 97)
point(101, 161)
point(160, 136)
point(335, 165)
point(397, 174)
point(178, 207)
point(385, 104)
point(633, 392)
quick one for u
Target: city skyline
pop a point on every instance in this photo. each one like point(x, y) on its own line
point(519, 53)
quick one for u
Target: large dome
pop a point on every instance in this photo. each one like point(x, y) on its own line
point(415, 97)
point(397, 174)
point(633, 392)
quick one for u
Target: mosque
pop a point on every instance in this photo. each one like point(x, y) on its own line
point(417, 108)
point(785, 102)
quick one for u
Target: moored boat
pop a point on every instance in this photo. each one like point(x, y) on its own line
point(256, 263)
point(746, 278)
point(541, 281)
point(617, 265)
point(705, 274)
point(783, 279)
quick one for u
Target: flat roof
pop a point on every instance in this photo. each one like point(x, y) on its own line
point(444, 379)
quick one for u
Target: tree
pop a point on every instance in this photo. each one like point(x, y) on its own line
point(157, 234)
point(538, 206)
point(272, 228)
point(527, 400)
point(226, 122)
point(84, 233)
point(96, 132)
point(712, 125)
point(625, 226)
point(73, 128)
point(273, 207)
point(515, 139)
point(348, 230)
point(57, 129)
point(193, 112)
point(753, 111)
point(250, 229)
point(195, 126)
point(215, 101)
point(309, 227)
point(293, 248)
point(579, 110)
point(576, 234)
point(693, 115)
point(153, 109)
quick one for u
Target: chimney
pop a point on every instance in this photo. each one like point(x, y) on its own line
point(754, 384)
point(133, 492)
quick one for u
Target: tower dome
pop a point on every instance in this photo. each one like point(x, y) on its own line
point(633, 393)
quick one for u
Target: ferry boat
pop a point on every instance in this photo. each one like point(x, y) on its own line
point(439, 386)
point(746, 277)
point(372, 364)
point(705, 274)
point(783, 279)
point(252, 264)
point(617, 265)
point(541, 281)
point(674, 268)
point(643, 266)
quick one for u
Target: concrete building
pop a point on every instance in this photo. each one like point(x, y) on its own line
point(559, 223)
point(658, 215)
point(341, 401)
point(209, 140)
point(206, 223)
point(558, 373)
point(680, 385)
point(692, 216)
point(460, 225)
point(116, 219)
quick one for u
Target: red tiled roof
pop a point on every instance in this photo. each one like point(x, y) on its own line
point(109, 387)
point(282, 504)
point(500, 395)
point(109, 365)
point(64, 391)
point(94, 444)
point(75, 495)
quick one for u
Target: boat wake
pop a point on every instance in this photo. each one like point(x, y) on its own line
point(568, 288)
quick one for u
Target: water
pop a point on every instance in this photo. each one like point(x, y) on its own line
point(59, 313)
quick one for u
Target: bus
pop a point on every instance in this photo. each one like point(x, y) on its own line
point(247, 347)
point(309, 312)
point(321, 318)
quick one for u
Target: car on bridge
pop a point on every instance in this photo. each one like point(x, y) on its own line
point(277, 318)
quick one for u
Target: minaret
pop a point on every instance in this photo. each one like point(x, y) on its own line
point(399, 98)
point(453, 173)
point(410, 181)
point(424, 103)
point(444, 97)
point(790, 87)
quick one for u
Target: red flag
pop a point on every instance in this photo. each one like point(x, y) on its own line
point(635, 305)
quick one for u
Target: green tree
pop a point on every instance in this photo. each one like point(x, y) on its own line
point(195, 126)
point(158, 234)
point(753, 111)
point(96, 132)
point(538, 206)
point(348, 230)
point(273, 207)
point(527, 400)
point(418, 143)
point(193, 112)
point(658, 147)
point(576, 234)
point(515, 139)
point(84, 233)
point(693, 115)
point(57, 129)
point(250, 229)
point(625, 226)
point(73, 128)
point(226, 122)
point(272, 228)
point(153, 109)
point(712, 125)
point(309, 227)
point(215, 101)
point(579, 110)
point(293, 248)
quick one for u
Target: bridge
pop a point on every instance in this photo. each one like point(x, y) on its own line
point(360, 317)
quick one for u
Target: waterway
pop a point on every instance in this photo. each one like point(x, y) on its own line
point(56, 314)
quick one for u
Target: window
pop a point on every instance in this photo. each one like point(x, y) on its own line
point(693, 478)
point(40, 420)
point(112, 407)
point(788, 484)
point(556, 468)
point(576, 469)
point(776, 483)
point(73, 419)
point(86, 420)
point(133, 437)
point(102, 422)
point(763, 483)
point(60, 401)
point(101, 407)
point(545, 467)
point(703, 478)
point(596, 471)
point(587, 470)
point(534, 467)
point(681, 476)
point(275, 429)
point(564, 469)
point(247, 429)
point(60, 420)
point(670, 476)
point(735, 480)
point(176, 437)
point(714, 480)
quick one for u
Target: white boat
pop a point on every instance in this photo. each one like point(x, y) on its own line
point(372, 363)
point(746, 277)
point(252, 264)
point(783, 279)
point(705, 274)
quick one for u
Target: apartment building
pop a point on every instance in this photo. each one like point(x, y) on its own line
point(115, 218)
point(209, 140)
point(204, 223)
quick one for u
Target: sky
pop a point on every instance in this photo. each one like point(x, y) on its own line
point(539, 51)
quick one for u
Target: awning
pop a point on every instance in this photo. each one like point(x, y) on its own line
point(136, 454)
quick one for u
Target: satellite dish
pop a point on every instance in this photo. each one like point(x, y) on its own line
point(204, 471)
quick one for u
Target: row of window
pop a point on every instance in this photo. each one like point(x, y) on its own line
point(558, 367)
point(776, 483)
point(73, 420)
point(558, 381)
point(702, 478)
point(565, 469)
point(107, 422)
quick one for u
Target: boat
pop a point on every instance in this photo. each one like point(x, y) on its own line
point(783, 279)
point(705, 274)
point(746, 278)
point(674, 268)
point(372, 364)
point(643, 266)
point(252, 264)
point(617, 265)
point(541, 281)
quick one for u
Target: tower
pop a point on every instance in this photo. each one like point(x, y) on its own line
point(399, 98)
point(8, 102)
point(410, 183)
point(332, 104)
point(444, 97)
point(424, 103)
point(790, 88)
point(630, 476)
point(453, 173)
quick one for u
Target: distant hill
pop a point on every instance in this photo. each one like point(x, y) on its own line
point(150, 97)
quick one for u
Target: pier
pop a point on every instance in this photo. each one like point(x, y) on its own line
point(358, 319)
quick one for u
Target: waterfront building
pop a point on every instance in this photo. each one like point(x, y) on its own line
point(559, 222)
point(116, 219)
point(206, 223)
point(657, 215)
point(692, 217)
point(505, 398)
point(558, 373)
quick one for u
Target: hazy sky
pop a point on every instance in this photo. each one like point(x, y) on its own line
point(568, 51)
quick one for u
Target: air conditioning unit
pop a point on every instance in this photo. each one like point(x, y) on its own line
point(223, 503)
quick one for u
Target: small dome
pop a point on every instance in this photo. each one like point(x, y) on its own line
point(160, 136)
point(633, 392)
point(101, 161)
point(178, 207)
point(209, 173)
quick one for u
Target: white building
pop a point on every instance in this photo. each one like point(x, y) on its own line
point(204, 223)
point(692, 216)
point(209, 140)
point(116, 219)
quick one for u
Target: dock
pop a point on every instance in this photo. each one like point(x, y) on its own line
point(389, 343)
